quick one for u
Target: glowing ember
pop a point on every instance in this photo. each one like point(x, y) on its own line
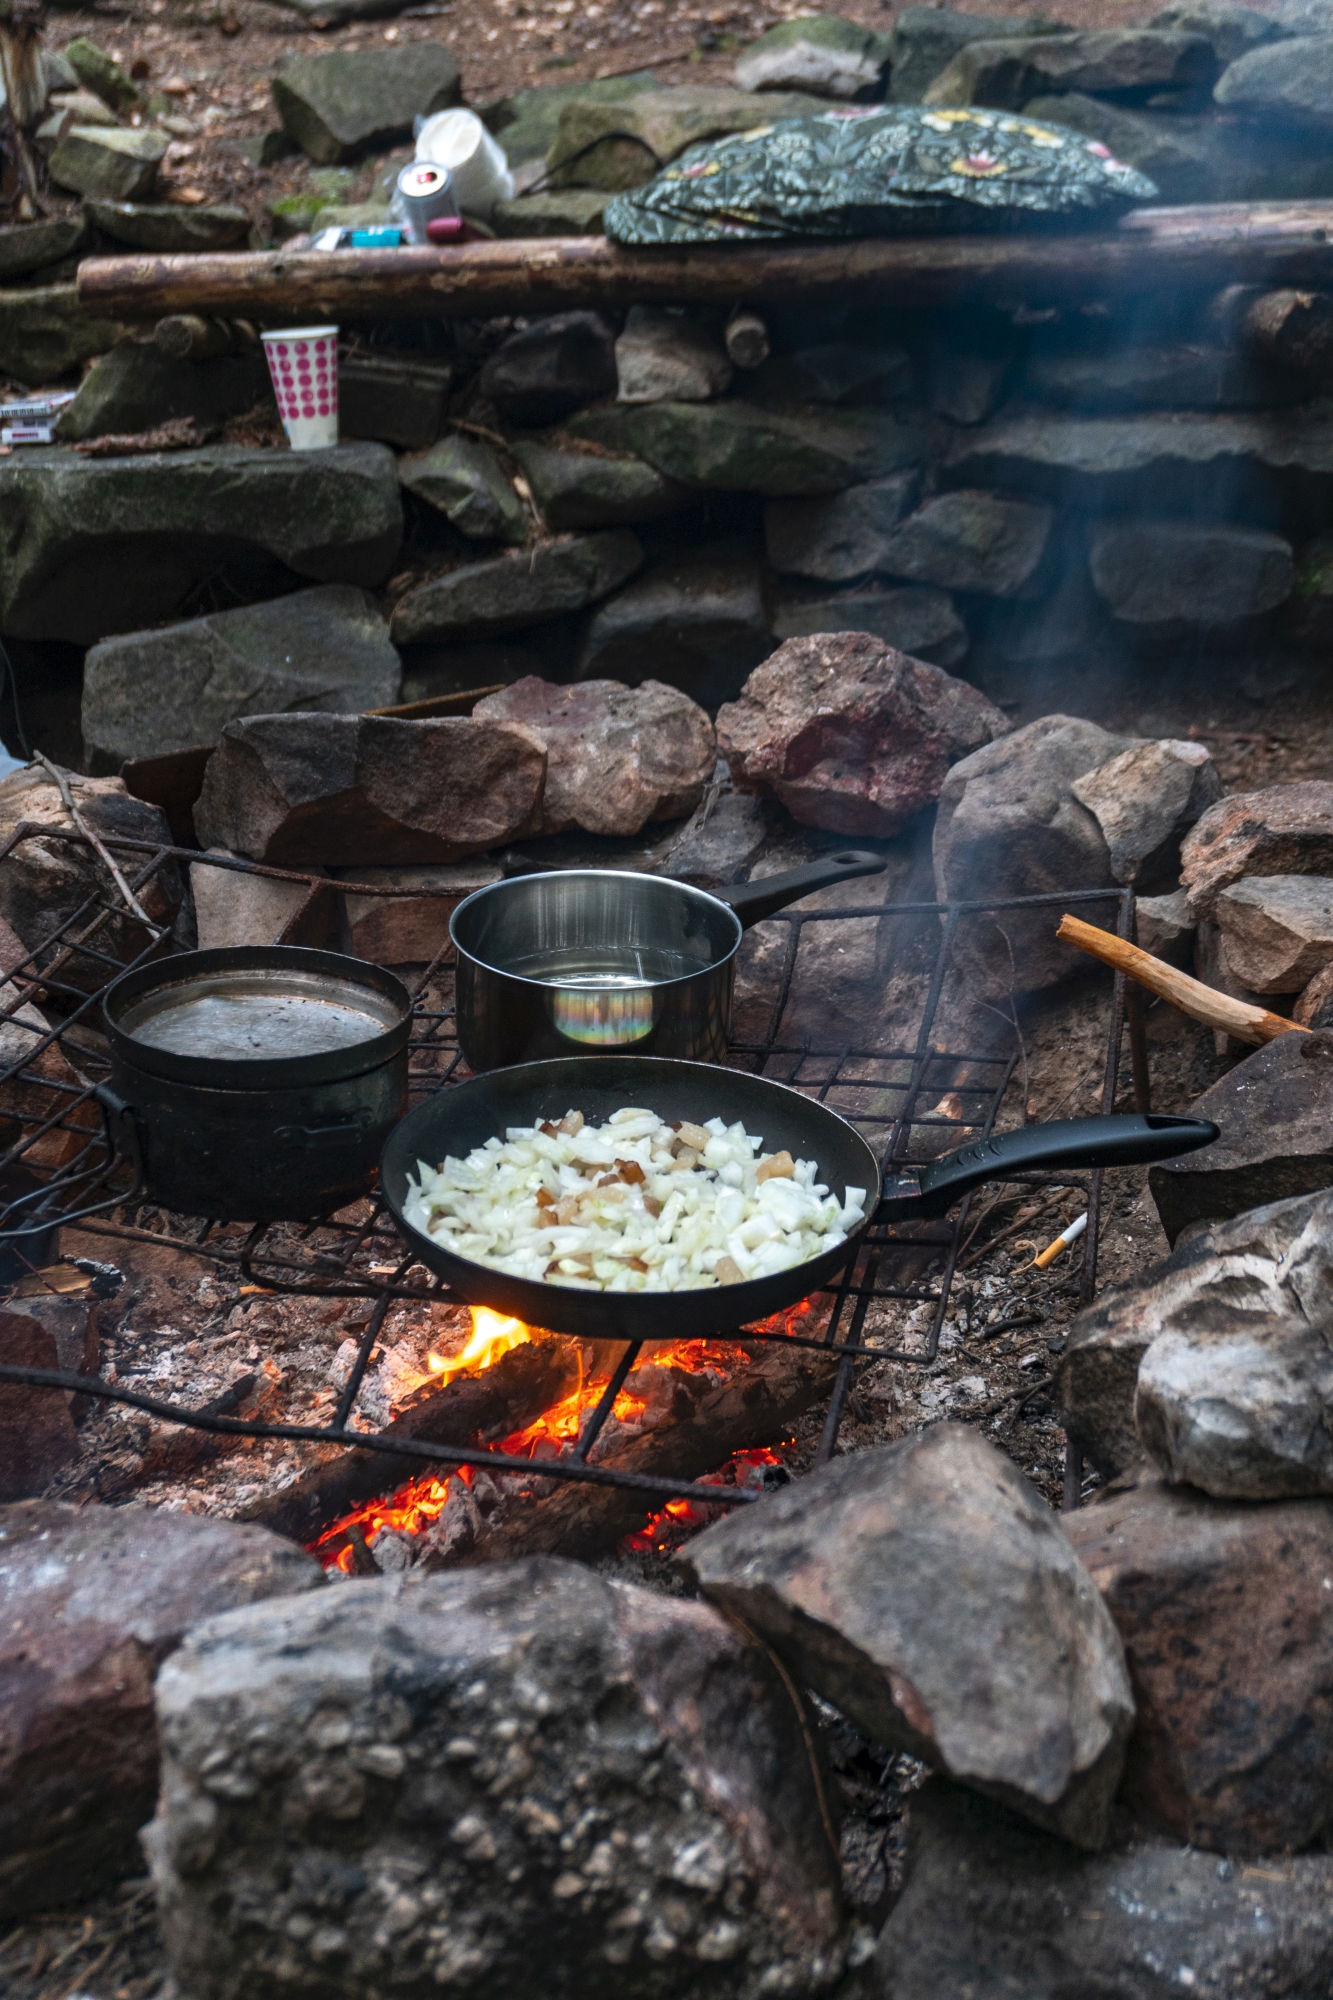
point(661, 1530)
point(421, 1501)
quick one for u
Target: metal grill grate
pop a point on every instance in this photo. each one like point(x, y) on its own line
point(59, 1163)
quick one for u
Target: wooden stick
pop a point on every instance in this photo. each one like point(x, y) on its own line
point(1264, 243)
point(1191, 996)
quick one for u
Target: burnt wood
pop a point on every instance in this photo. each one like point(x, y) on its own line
point(756, 1406)
point(471, 1410)
point(1257, 243)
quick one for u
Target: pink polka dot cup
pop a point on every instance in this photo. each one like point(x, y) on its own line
point(303, 363)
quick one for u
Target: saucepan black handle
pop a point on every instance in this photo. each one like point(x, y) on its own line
point(1122, 1141)
point(753, 901)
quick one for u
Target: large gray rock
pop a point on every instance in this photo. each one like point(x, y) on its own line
point(925, 1589)
point(562, 212)
point(1304, 17)
point(971, 541)
point(913, 619)
point(697, 621)
point(992, 1906)
point(1163, 927)
point(503, 593)
point(1120, 61)
point(1194, 460)
point(1314, 1004)
point(26, 246)
point(339, 789)
point(47, 880)
point(1009, 825)
point(1190, 376)
point(150, 692)
point(411, 927)
point(1234, 1406)
point(45, 333)
point(136, 387)
point(465, 480)
point(1230, 29)
point(169, 225)
point(92, 1600)
point(354, 101)
point(622, 145)
point(1275, 1111)
point(850, 735)
point(100, 73)
point(526, 124)
point(835, 371)
point(616, 757)
point(1277, 930)
point(1165, 578)
point(1268, 1263)
point(108, 163)
point(586, 489)
point(742, 447)
point(1228, 1630)
point(464, 1781)
point(1283, 830)
point(839, 536)
point(551, 368)
point(821, 53)
point(1286, 83)
point(1145, 800)
point(96, 546)
point(1191, 158)
point(926, 39)
point(669, 357)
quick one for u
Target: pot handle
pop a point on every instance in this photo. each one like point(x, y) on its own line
point(753, 901)
point(1121, 1141)
point(123, 1132)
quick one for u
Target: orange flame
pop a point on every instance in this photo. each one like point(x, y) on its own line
point(421, 1501)
point(492, 1336)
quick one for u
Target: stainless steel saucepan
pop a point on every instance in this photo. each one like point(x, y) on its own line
point(593, 961)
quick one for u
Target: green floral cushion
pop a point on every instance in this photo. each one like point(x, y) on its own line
point(873, 171)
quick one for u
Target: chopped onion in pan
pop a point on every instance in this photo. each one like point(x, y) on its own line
point(635, 1205)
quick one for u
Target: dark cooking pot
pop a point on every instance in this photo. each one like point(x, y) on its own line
point(256, 1083)
point(591, 961)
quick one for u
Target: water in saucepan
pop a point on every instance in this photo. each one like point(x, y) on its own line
point(607, 970)
point(240, 1027)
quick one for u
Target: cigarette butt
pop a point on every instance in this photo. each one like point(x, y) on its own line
point(1061, 1243)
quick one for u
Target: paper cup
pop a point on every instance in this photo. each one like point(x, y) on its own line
point(303, 362)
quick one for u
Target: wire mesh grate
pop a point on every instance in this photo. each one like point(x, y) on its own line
point(60, 1163)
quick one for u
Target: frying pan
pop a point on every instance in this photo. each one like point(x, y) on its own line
point(465, 1115)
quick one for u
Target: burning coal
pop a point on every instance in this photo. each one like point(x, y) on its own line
point(646, 1402)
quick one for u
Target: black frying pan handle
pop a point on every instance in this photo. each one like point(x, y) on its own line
point(753, 901)
point(1122, 1141)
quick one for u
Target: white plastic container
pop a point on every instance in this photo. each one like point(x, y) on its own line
point(477, 168)
point(303, 364)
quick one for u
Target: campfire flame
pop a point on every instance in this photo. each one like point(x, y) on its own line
point(421, 1501)
point(492, 1336)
